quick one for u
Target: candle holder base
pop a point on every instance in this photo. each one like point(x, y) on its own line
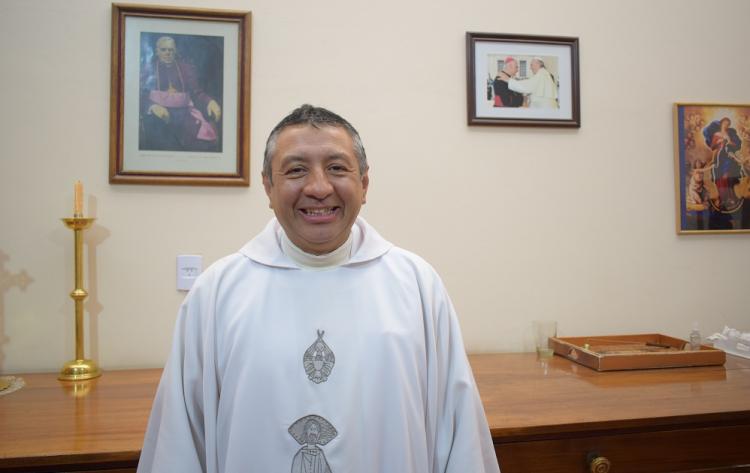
point(78, 370)
point(78, 223)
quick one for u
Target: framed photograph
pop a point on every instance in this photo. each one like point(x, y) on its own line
point(180, 97)
point(712, 168)
point(522, 80)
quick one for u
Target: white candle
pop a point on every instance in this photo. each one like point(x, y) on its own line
point(78, 200)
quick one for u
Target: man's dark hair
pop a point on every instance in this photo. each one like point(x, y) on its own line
point(316, 117)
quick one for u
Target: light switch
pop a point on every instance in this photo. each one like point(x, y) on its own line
point(189, 267)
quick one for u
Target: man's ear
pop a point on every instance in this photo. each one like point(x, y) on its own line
point(267, 184)
point(365, 184)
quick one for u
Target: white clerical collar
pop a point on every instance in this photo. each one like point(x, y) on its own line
point(330, 260)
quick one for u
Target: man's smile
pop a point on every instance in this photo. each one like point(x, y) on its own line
point(319, 214)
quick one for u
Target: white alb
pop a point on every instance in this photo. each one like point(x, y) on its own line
point(358, 368)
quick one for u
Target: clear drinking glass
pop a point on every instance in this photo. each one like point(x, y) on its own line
point(543, 330)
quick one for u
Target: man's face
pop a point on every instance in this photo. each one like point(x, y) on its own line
point(535, 65)
point(165, 50)
point(316, 190)
point(511, 68)
point(312, 432)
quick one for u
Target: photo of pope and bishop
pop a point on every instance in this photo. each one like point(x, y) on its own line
point(537, 91)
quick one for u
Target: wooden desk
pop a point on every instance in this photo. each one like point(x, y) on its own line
point(53, 426)
point(541, 421)
point(670, 420)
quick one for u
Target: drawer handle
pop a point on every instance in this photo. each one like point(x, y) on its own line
point(599, 465)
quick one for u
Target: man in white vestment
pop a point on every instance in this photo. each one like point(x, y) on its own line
point(318, 347)
point(541, 87)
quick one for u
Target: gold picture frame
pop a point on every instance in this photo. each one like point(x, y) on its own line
point(712, 168)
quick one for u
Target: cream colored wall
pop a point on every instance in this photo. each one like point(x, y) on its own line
point(574, 225)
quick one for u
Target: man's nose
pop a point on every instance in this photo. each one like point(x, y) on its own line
point(318, 184)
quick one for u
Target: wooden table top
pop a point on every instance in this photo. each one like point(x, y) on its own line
point(47, 423)
point(524, 400)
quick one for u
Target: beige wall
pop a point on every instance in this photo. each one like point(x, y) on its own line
point(574, 225)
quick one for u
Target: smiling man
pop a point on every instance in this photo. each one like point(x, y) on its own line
point(316, 180)
point(319, 347)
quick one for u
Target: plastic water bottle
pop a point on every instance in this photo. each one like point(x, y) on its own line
point(695, 338)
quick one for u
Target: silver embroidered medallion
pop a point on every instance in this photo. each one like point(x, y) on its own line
point(310, 432)
point(318, 360)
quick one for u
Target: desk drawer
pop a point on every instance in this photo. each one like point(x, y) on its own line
point(708, 449)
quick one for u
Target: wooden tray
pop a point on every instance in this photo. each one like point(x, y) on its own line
point(634, 352)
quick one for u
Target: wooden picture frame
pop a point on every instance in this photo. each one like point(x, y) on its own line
point(180, 96)
point(522, 80)
point(712, 168)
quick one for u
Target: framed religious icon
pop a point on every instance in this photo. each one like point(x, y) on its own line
point(712, 168)
point(522, 80)
point(180, 98)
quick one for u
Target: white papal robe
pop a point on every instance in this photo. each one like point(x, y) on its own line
point(541, 88)
point(399, 396)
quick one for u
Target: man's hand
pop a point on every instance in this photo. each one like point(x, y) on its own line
point(214, 111)
point(159, 111)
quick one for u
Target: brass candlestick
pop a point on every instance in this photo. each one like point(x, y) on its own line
point(80, 368)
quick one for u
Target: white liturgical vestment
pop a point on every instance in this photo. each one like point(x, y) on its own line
point(359, 368)
point(541, 86)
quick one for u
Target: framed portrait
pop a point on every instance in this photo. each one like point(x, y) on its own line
point(522, 80)
point(180, 96)
point(712, 168)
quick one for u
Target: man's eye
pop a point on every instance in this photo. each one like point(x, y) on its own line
point(337, 168)
point(295, 170)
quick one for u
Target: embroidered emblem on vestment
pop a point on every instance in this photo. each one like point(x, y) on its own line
point(311, 432)
point(318, 360)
